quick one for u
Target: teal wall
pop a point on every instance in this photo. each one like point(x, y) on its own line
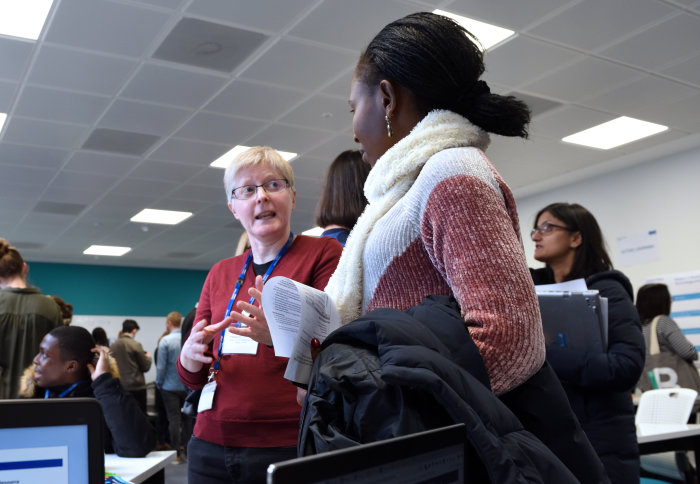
point(109, 290)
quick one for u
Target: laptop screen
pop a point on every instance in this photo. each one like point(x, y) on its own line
point(432, 456)
point(55, 440)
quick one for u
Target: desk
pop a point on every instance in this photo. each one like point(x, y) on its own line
point(149, 469)
point(653, 438)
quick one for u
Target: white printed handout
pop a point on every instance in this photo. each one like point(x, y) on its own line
point(295, 314)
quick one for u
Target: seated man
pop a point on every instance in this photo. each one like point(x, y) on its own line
point(70, 365)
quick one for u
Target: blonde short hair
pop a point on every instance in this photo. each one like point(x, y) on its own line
point(175, 318)
point(257, 155)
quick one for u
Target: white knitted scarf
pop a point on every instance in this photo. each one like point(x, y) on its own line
point(388, 181)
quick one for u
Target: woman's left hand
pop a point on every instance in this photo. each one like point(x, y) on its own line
point(102, 364)
point(252, 316)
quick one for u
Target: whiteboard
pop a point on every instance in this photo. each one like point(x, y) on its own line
point(151, 330)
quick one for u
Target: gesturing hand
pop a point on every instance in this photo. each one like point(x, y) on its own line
point(251, 315)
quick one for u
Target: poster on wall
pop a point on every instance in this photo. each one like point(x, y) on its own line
point(685, 306)
point(638, 248)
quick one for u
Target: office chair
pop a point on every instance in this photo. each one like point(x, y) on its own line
point(666, 406)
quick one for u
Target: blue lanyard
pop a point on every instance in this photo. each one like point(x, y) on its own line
point(239, 284)
point(66, 391)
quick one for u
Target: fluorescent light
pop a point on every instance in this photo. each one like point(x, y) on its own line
point(23, 18)
point(314, 232)
point(225, 160)
point(165, 217)
point(3, 117)
point(110, 250)
point(488, 35)
point(615, 133)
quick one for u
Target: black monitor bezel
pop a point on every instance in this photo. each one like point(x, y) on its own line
point(52, 412)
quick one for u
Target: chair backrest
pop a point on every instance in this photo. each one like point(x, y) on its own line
point(665, 406)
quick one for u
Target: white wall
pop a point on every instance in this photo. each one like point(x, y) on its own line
point(663, 195)
point(151, 329)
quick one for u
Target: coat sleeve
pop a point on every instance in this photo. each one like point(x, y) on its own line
point(144, 361)
point(161, 363)
point(619, 368)
point(131, 433)
point(672, 337)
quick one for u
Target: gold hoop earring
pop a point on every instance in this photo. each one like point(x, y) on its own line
point(388, 125)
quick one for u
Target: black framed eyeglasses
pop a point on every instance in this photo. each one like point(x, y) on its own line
point(546, 228)
point(246, 192)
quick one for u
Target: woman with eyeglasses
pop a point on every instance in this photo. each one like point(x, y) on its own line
point(248, 413)
point(599, 385)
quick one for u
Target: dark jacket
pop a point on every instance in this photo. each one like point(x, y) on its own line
point(600, 385)
point(127, 430)
point(392, 373)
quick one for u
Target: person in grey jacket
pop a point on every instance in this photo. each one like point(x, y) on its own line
point(655, 300)
point(133, 361)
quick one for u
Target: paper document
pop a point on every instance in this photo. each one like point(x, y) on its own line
point(575, 285)
point(295, 314)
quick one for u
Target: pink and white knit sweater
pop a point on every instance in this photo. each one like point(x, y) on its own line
point(455, 231)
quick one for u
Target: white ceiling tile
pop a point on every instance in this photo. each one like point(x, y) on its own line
point(105, 26)
point(251, 99)
point(28, 176)
point(43, 103)
point(98, 162)
point(80, 71)
point(13, 190)
point(71, 195)
point(163, 170)
point(513, 14)
point(567, 120)
point(312, 168)
point(682, 115)
point(288, 138)
point(7, 95)
point(44, 133)
point(295, 64)
point(188, 151)
point(168, 85)
point(341, 86)
point(591, 24)
point(645, 93)
point(205, 193)
point(332, 147)
point(517, 63)
point(138, 186)
point(687, 70)
point(32, 156)
point(15, 55)
point(661, 45)
point(583, 79)
point(328, 23)
point(322, 112)
point(219, 129)
point(209, 176)
point(163, 3)
point(143, 118)
point(253, 14)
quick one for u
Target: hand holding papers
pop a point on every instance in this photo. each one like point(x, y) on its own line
point(296, 313)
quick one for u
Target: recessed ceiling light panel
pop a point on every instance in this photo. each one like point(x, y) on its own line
point(3, 117)
point(487, 34)
point(165, 217)
point(23, 18)
point(110, 250)
point(615, 133)
point(224, 160)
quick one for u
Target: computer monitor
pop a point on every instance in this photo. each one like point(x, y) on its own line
point(432, 456)
point(55, 440)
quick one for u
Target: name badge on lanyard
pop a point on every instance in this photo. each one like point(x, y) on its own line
point(230, 343)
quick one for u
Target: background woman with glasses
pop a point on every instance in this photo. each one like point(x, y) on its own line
point(254, 417)
point(599, 385)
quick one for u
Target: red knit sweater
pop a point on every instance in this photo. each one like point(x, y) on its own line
point(254, 406)
point(456, 232)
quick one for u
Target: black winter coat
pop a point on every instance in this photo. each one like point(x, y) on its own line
point(392, 373)
point(600, 385)
point(127, 431)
